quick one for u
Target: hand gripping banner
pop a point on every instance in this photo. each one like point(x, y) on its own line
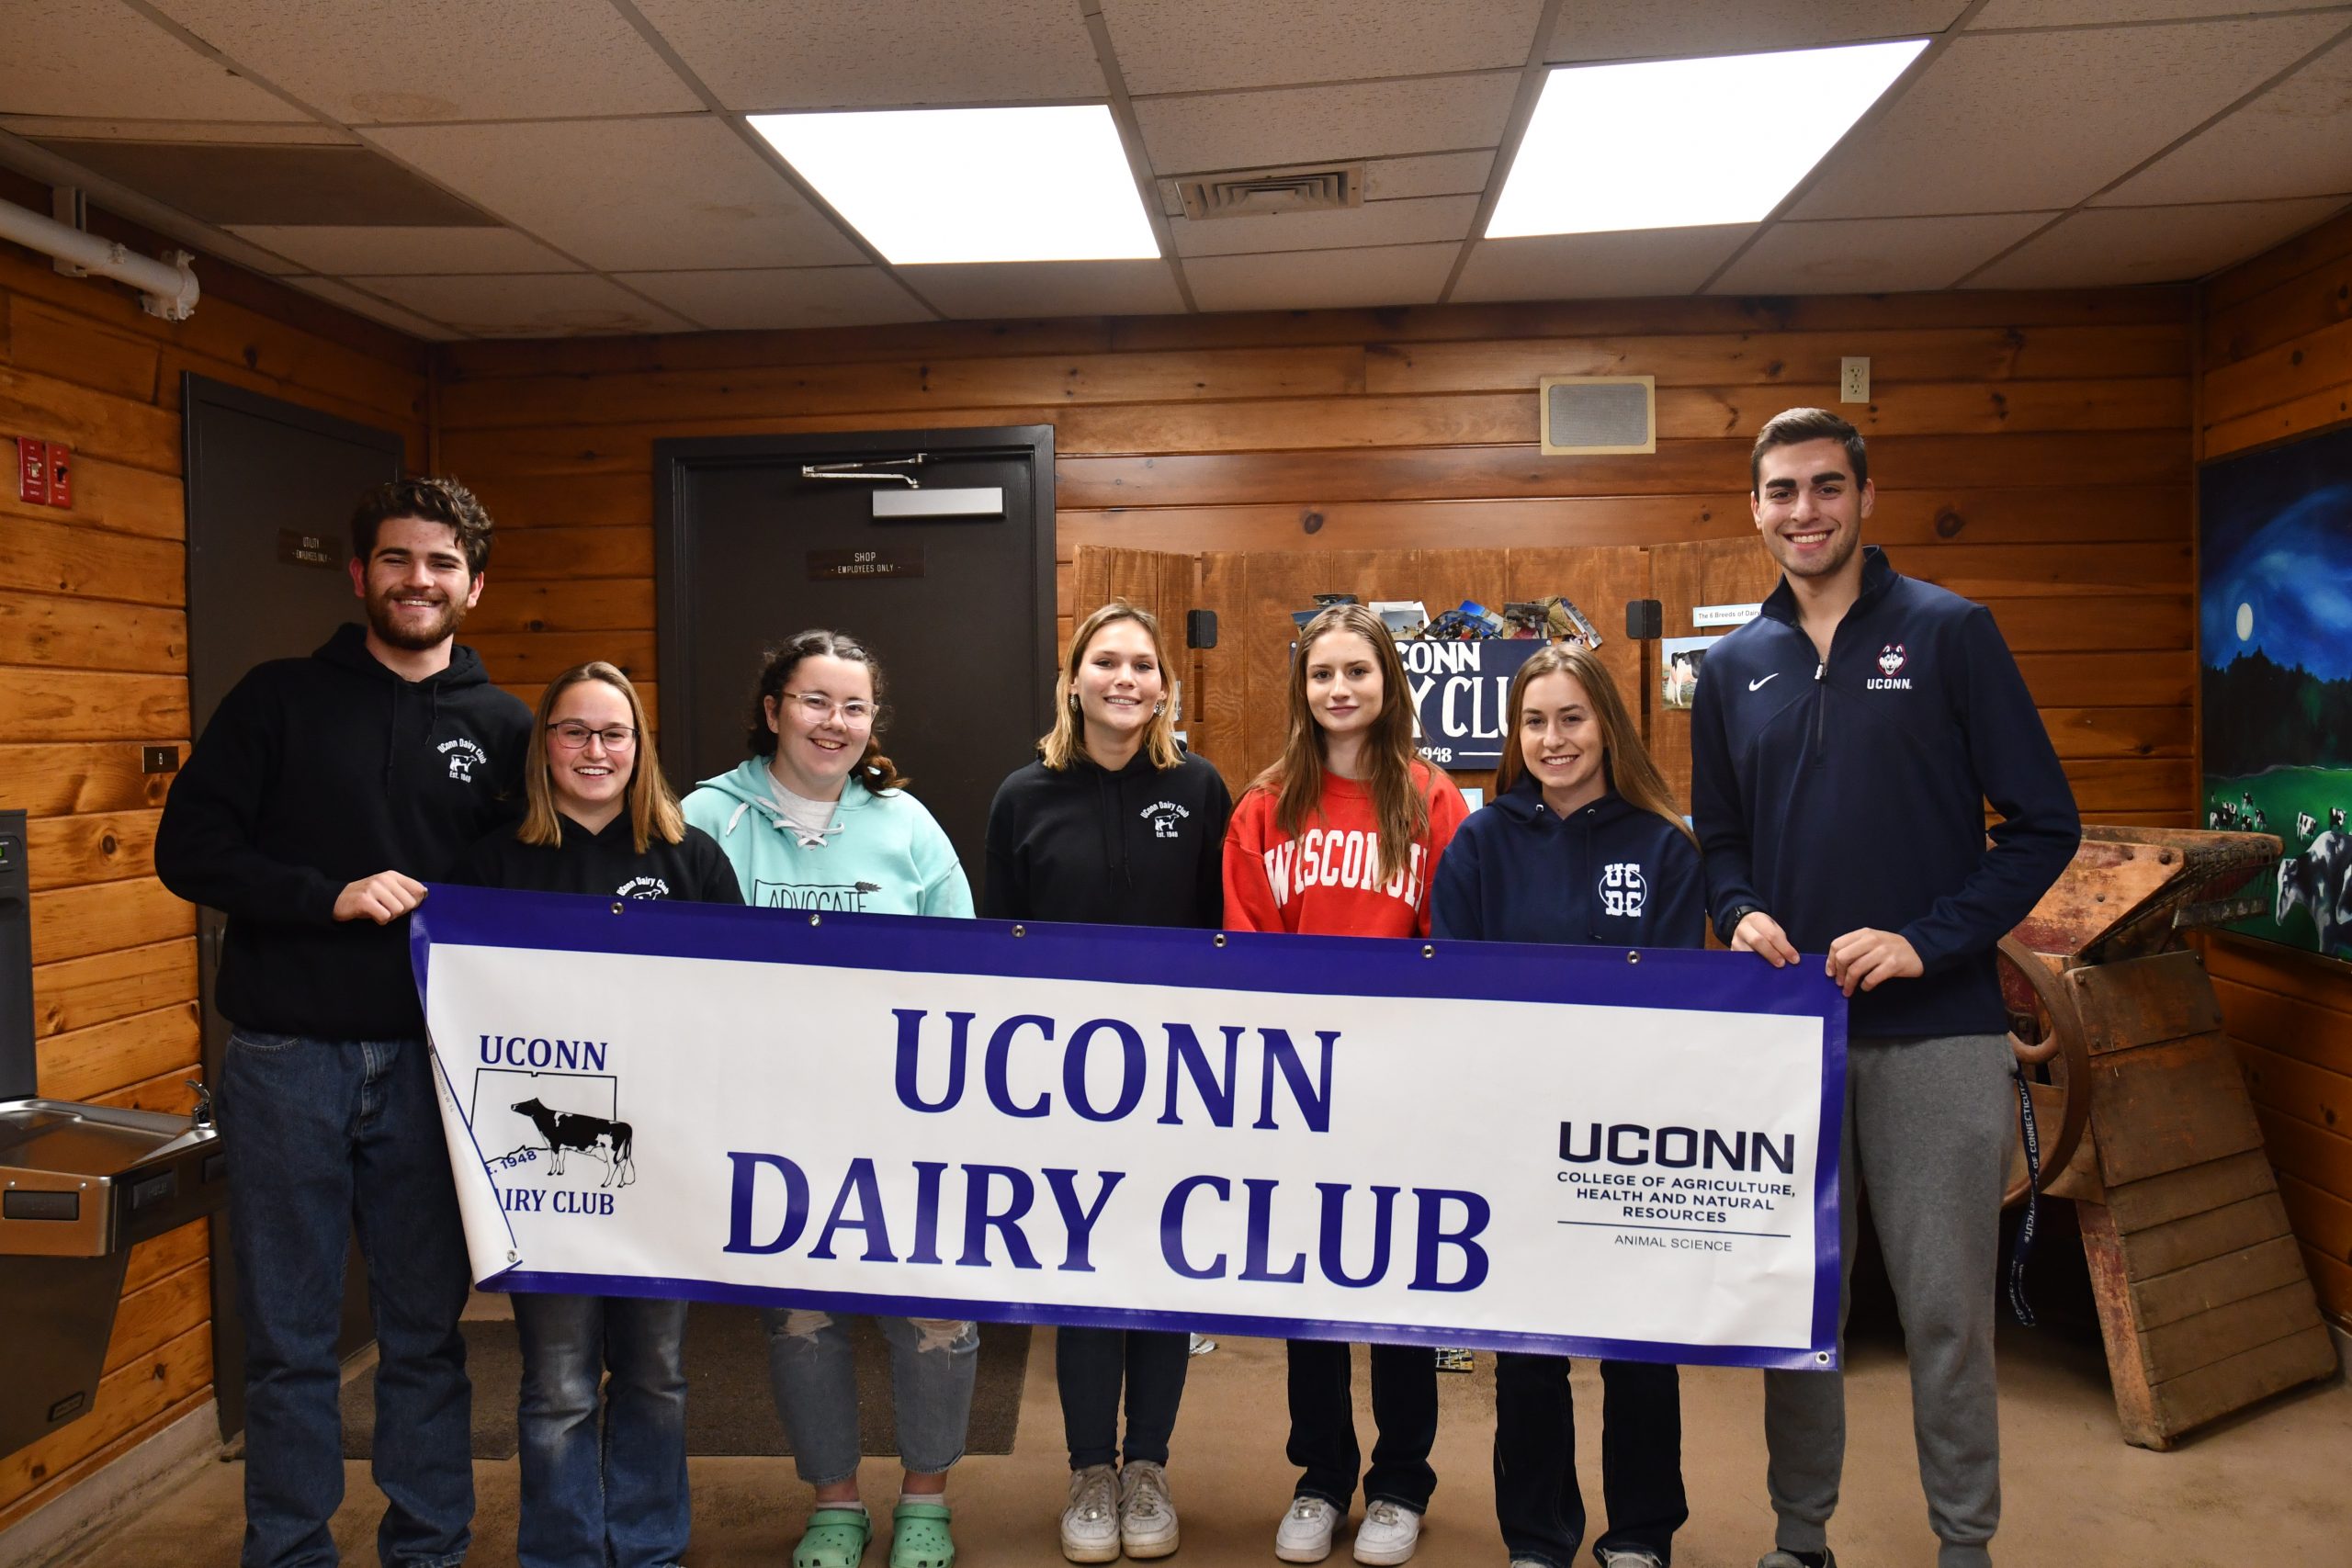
point(1582, 1151)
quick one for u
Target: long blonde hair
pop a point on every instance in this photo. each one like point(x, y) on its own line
point(1626, 760)
point(1296, 780)
point(652, 809)
point(1065, 742)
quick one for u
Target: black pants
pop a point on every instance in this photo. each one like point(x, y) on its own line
point(1323, 1423)
point(1090, 1365)
point(1536, 1497)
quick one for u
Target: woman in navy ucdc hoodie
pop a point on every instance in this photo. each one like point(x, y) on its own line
point(1582, 844)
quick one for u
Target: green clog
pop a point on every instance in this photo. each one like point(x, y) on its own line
point(918, 1537)
point(836, 1539)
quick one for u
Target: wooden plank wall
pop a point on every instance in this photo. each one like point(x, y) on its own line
point(2031, 449)
point(2275, 347)
point(93, 666)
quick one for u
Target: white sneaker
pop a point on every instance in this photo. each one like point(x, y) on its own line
point(1305, 1534)
point(1625, 1557)
point(1091, 1523)
point(1146, 1516)
point(1389, 1533)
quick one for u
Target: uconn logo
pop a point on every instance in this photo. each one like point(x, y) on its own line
point(1892, 660)
point(463, 756)
point(1623, 890)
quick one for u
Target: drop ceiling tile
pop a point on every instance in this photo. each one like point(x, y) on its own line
point(2295, 140)
point(343, 249)
point(2074, 13)
point(2005, 122)
point(1322, 280)
point(1436, 218)
point(568, 304)
point(781, 296)
point(1598, 266)
point(1654, 29)
point(100, 57)
point(1873, 256)
point(881, 53)
point(1303, 125)
point(631, 195)
point(242, 182)
point(374, 61)
point(1219, 45)
point(352, 300)
point(2102, 246)
point(1015, 290)
point(1435, 173)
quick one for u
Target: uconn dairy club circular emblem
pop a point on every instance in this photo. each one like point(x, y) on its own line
point(547, 1117)
point(1622, 889)
point(1892, 660)
point(464, 756)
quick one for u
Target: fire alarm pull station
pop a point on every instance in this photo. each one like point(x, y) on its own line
point(32, 471)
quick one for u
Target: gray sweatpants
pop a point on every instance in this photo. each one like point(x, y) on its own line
point(1931, 1120)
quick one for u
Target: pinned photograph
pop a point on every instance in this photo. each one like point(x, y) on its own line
point(1678, 661)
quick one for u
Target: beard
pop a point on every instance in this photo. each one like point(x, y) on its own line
point(413, 638)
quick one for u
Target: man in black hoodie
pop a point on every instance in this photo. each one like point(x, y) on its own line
point(323, 795)
point(1843, 745)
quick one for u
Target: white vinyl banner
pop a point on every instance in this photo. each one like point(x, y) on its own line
point(1569, 1149)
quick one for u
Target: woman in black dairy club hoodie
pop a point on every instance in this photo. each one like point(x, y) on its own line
point(1115, 824)
point(601, 820)
point(1583, 845)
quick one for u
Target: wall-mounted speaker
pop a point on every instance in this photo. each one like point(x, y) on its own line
point(1598, 415)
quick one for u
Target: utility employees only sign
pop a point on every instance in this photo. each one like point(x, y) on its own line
point(1631, 1155)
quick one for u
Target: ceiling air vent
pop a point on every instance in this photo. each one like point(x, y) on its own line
point(1594, 416)
point(1261, 193)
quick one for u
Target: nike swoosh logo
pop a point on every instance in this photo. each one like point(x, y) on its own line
point(1752, 685)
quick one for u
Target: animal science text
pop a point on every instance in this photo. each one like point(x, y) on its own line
point(1210, 1224)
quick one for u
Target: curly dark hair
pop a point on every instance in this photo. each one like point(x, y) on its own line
point(436, 501)
point(875, 769)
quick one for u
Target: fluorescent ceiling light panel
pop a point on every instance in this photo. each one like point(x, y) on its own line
point(1678, 143)
point(1014, 185)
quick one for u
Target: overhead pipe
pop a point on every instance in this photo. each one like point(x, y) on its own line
point(166, 288)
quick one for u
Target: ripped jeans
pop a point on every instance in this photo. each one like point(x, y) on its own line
point(813, 1371)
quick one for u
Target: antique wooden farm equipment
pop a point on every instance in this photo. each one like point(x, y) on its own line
point(2146, 1123)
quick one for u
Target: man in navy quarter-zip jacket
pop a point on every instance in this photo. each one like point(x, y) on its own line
point(1843, 745)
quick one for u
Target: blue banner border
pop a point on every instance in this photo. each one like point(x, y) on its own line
point(1303, 966)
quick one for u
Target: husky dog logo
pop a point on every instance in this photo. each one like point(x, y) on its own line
point(607, 1140)
point(1892, 661)
point(463, 755)
point(1624, 889)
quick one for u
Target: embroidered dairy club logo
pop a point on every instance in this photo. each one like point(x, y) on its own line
point(1892, 660)
point(1164, 816)
point(463, 755)
point(546, 1114)
point(1622, 888)
point(642, 887)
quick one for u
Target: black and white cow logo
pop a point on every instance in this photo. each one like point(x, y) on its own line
point(464, 757)
point(1164, 816)
point(1622, 889)
point(607, 1140)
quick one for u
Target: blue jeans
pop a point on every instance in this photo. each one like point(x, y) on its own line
point(813, 1371)
point(617, 1497)
point(323, 1135)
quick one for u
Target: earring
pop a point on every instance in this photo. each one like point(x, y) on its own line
point(1159, 708)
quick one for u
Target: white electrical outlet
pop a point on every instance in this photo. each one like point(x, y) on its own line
point(1854, 379)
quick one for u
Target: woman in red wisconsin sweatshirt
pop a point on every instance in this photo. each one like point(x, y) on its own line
point(1342, 838)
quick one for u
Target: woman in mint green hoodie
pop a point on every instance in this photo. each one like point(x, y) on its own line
point(817, 819)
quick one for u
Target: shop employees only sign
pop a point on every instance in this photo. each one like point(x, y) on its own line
point(1575, 1150)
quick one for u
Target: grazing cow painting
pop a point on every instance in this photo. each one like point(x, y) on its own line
point(610, 1141)
point(2316, 880)
point(2304, 825)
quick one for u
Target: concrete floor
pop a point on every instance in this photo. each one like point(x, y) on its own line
point(2272, 1487)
